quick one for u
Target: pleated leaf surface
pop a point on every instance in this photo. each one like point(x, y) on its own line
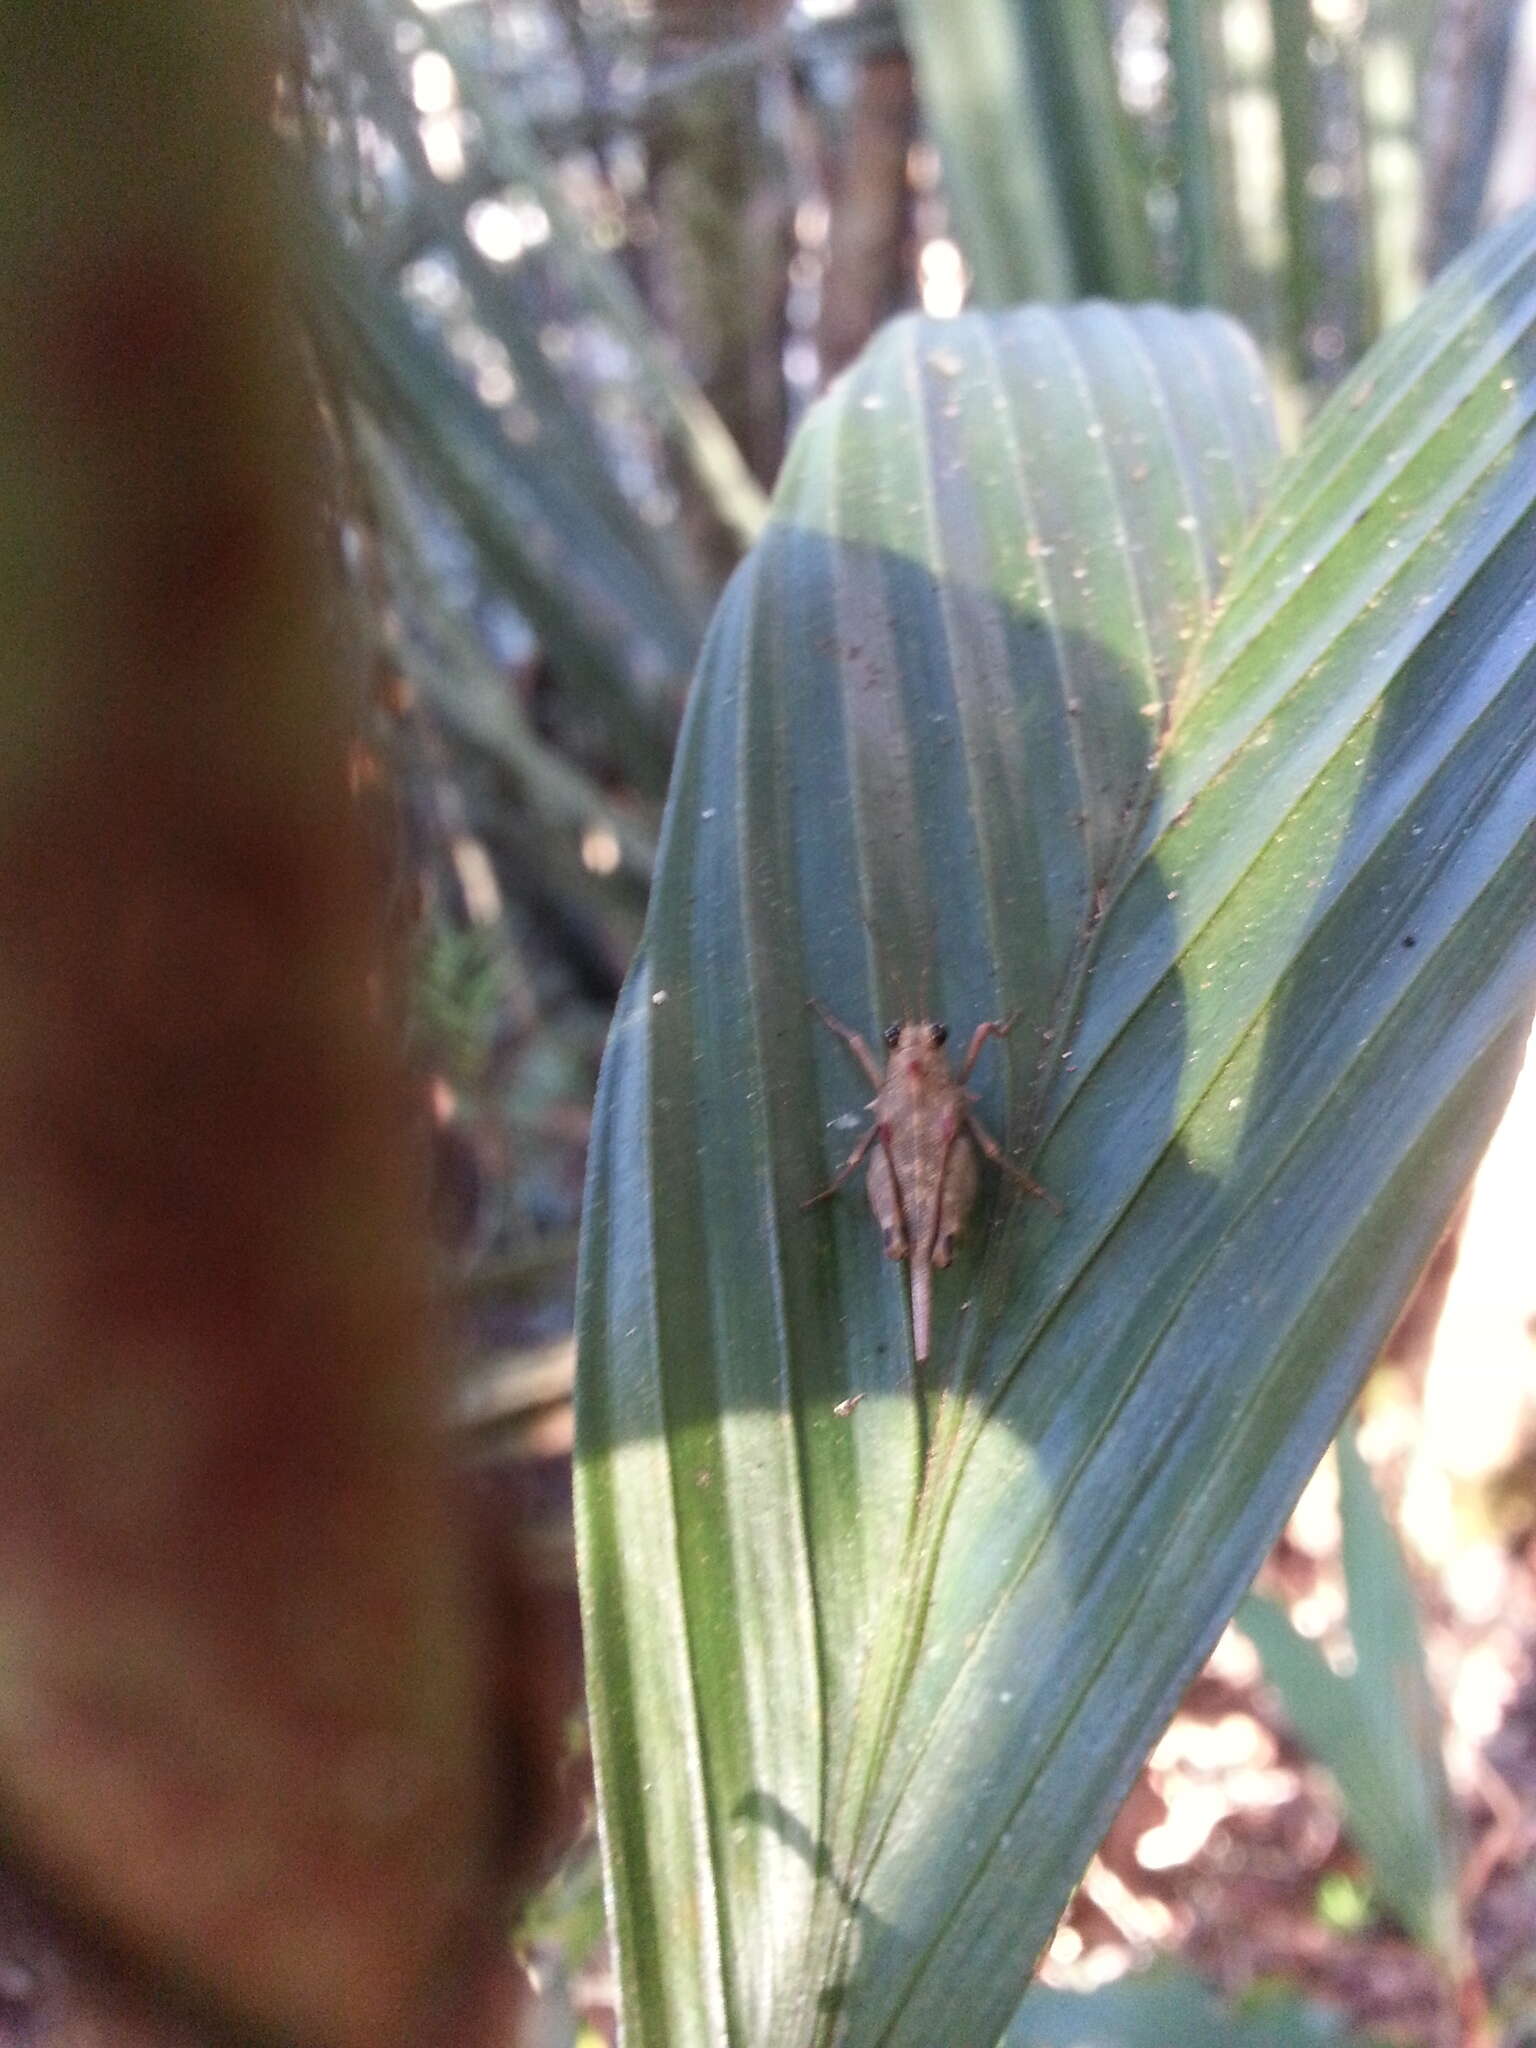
point(1024, 705)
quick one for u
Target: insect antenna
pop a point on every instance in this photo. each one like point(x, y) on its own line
point(911, 998)
point(929, 974)
point(907, 1009)
point(879, 955)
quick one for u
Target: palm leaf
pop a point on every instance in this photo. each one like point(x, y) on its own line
point(874, 1654)
point(601, 286)
point(1043, 167)
point(618, 635)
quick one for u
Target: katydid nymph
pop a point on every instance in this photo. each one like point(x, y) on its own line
point(921, 1147)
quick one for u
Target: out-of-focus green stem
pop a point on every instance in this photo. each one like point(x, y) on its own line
point(981, 96)
point(1044, 172)
point(1365, 279)
point(1389, 90)
point(1204, 177)
point(1097, 164)
point(1290, 31)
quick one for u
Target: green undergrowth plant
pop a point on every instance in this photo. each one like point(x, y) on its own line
point(1154, 2007)
point(1374, 1724)
point(1051, 693)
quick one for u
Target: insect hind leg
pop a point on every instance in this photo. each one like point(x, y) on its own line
point(999, 1157)
point(849, 1165)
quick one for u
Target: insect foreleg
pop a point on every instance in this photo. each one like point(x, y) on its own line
point(999, 1157)
point(851, 1039)
point(854, 1159)
point(994, 1028)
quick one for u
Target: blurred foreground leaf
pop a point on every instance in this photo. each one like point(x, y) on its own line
point(239, 1715)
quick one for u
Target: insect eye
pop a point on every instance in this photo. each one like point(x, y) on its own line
point(893, 1034)
point(938, 1033)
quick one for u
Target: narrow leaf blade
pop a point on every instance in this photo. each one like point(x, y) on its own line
point(1377, 1731)
point(933, 444)
point(980, 92)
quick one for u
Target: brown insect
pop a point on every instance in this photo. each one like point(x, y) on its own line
point(922, 1179)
